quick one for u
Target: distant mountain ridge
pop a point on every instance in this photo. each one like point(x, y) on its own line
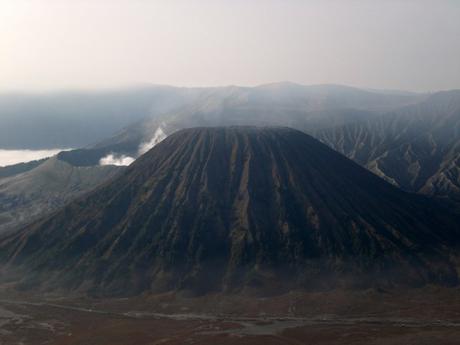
point(232, 208)
point(416, 147)
point(308, 108)
point(80, 118)
point(15, 169)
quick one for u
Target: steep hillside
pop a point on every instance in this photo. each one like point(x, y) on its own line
point(416, 147)
point(232, 208)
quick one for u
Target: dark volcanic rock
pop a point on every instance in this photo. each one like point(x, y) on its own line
point(227, 208)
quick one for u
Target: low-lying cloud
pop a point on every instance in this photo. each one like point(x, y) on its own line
point(113, 159)
point(10, 157)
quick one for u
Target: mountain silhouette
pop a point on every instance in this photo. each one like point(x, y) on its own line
point(230, 208)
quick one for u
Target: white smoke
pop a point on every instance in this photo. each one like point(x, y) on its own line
point(112, 159)
point(158, 136)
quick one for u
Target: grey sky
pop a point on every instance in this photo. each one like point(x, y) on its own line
point(398, 44)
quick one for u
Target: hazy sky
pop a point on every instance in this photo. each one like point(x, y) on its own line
point(399, 44)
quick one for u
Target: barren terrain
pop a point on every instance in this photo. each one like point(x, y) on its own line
point(417, 316)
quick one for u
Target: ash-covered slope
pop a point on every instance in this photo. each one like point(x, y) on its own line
point(45, 188)
point(226, 208)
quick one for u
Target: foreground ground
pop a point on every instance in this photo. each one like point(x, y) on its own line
point(428, 316)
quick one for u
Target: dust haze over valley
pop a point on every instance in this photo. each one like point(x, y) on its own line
point(229, 172)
